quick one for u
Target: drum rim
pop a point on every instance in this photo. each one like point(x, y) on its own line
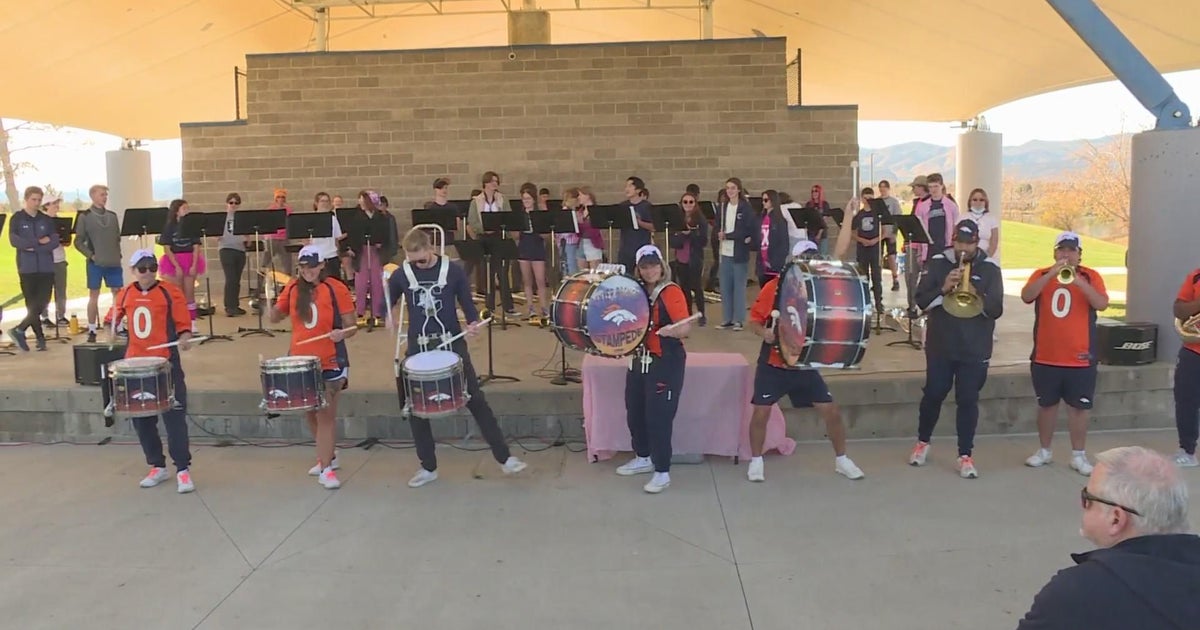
point(439, 353)
point(290, 359)
point(137, 363)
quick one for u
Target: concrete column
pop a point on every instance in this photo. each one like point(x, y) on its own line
point(129, 186)
point(1163, 229)
point(321, 32)
point(979, 164)
point(706, 19)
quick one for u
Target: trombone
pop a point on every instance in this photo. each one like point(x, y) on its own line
point(964, 301)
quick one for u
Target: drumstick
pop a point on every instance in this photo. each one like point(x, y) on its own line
point(387, 297)
point(678, 323)
point(461, 334)
point(325, 336)
point(175, 343)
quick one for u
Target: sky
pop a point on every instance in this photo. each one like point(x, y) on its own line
point(73, 159)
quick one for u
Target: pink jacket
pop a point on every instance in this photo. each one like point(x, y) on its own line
point(952, 218)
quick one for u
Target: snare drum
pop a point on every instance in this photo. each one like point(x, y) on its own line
point(601, 313)
point(824, 315)
point(141, 386)
point(292, 384)
point(436, 384)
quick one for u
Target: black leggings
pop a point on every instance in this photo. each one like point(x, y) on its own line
point(36, 287)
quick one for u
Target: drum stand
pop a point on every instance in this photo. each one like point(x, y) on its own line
point(565, 374)
point(491, 374)
point(910, 274)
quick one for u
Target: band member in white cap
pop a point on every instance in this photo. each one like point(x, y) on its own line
point(157, 314)
point(322, 313)
point(655, 377)
point(773, 380)
point(430, 285)
point(1063, 362)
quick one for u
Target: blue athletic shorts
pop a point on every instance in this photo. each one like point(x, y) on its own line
point(804, 387)
point(1075, 386)
point(113, 277)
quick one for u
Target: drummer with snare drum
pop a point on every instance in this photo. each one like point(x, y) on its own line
point(322, 316)
point(157, 314)
point(430, 285)
point(774, 379)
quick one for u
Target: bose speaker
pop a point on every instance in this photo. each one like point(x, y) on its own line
point(1134, 343)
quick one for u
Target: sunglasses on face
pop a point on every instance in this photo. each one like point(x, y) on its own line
point(688, 202)
point(1087, 498)
point(234, 202)
point(152, 268)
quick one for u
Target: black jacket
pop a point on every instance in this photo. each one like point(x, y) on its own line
point(779, 244)
point(1147, 583)
point(954, 338)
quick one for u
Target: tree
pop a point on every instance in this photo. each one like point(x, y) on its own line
point(9, 168)
point(1060, 208)
point(1104, 186)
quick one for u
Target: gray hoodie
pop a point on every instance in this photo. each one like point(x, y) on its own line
point(98, 236)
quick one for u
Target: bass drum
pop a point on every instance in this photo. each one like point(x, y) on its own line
point(601, 313)
point(824, 315)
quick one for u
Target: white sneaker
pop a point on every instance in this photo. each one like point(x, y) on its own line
point(512, 466)
point(422, 477)
point(755, 471)
point(1183, 460)
point(919, 453)
point(184, 479)
point(657, 483)
point(316, 469)
point(636, 466)
point(1042, 457)
point(329, 479)
point(154, 477)
point(966, 467)
point(845, 466)
point(1081, 465)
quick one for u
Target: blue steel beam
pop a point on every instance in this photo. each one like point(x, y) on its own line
point(1125, 61)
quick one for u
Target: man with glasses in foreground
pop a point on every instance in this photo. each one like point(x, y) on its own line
point(1146, 572)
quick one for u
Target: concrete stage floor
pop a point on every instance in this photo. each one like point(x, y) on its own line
point(41, 401)
point(567, 544)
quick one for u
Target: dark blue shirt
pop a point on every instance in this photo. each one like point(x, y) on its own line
point(632, 240)
point(439, 300)
point(937, 227)
point(24, 231)
point(178, 244)
point(866, 224)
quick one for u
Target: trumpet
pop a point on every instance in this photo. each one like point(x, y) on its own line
point(1066, 275)
point(1189, 329)
point(964, 301)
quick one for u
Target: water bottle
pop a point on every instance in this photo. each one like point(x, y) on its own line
point(74, 325)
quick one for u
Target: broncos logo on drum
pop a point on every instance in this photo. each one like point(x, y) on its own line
point(438, 397)
point(794, 318)
point(278, 394)
point(143, 395)
point(617, 314)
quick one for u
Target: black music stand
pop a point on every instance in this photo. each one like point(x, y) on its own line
point(604, 218)
point(664, 215)
point(623, 217)
point(257, 223)
point(142, 222)
point(709, 211)
point(309, 225)
point(200, 226)
point(879, 208)
point(562, 222)
point(499, 247)
point(3, 219)
point(445, 218)
point(914, 234)
point(65, 227)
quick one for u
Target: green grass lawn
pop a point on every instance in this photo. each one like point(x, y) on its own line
point(1028, 246)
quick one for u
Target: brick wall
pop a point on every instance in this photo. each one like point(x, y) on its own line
point(672, 112)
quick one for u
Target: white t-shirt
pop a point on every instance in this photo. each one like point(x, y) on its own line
point(728, 225)
point(328, 246)
point(986, 222)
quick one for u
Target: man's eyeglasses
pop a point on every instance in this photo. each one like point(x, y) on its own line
point(153, 268)
point(1086, 498)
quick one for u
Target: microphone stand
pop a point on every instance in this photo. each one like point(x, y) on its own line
point(491, 374)
point(910, 268)
point(565, 374)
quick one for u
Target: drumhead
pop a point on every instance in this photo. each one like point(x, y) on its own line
point(618, 315)
point(792, 301)
point(295, 361)
point(431, 361)
point(137, 364)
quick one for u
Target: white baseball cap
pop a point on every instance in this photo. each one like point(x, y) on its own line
point(803, 246)
point(141, 255)
point(648, 251)
point(1067, 239)
point(309, 256)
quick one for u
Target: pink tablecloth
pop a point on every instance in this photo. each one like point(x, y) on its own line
point(714, 408)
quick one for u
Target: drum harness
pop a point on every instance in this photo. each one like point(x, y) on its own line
point(424, 298)
point(641, 354)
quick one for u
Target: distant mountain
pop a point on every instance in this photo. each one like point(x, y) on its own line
point(1037, 159)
